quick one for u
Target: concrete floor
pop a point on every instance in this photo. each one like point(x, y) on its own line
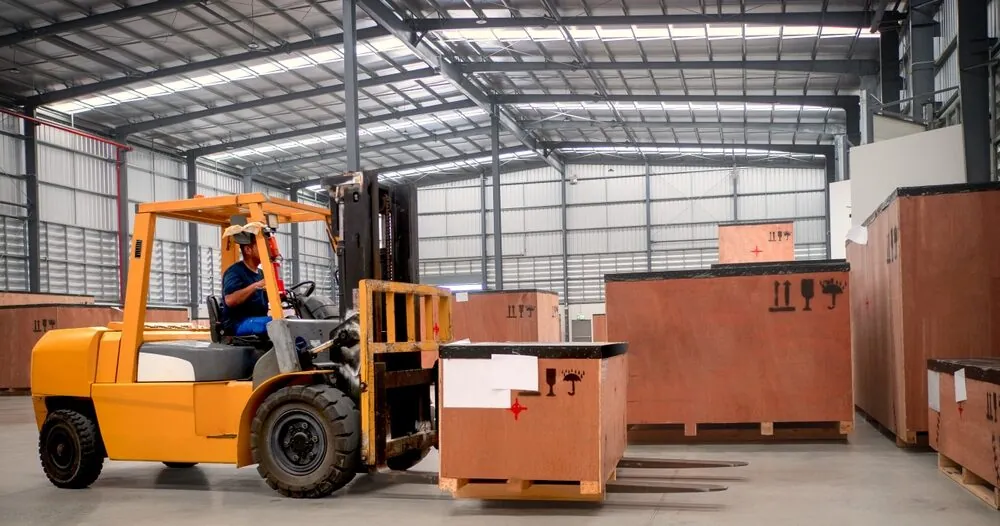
point(866, 482)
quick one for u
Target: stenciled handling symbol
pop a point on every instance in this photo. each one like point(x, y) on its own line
point(517, 408)
point(572, 377)
point(833, 288)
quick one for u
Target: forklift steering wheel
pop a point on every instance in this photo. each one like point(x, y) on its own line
point(308, 292)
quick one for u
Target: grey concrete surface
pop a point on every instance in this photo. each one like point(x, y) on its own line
point(865, 482)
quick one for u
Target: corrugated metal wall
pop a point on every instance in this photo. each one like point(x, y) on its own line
point(947, 72)
point(606, 229)
point(13, 225)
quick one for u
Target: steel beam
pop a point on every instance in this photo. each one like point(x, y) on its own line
point(191, 67)
point(194, 268)
point(974, 85)
point(891, 80)
point(99, 19)
point(268, 101)
point(33, 202)
point(921, 56)
point(858, 19)
point(282, 164)
point(293, 195)
point(351, 131)
point(291, 134)
point(880, 17)
point(855, 67)
point(391, 20)
point(786, 148)
point(648, 194)
point(121, 161)
point(482, 227)
point(576, 124)
point(825, 101)
point(497, 209)
point(564, 235)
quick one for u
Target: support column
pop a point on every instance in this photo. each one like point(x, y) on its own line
point(865, 123)
point(351, 85)
point(974, 86)
point(649, 220)
point(565, 255)
point(194, 268)
point(482, 217)
point(892, 82)
point(854, 121)
point(121, 162)
point(31, 189)
point(840, 147)
point(831, 176)
point(497, 214)
point(247, 183)
point(922, 28)
point(293, 195)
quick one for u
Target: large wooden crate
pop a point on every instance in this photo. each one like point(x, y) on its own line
point(21, 326)
point(507, 316)
point(43, 298)
point(567, 426)
point(599, 328)
point(966, 434)
point(926, 285)
point(756, 242)
point(736, 344)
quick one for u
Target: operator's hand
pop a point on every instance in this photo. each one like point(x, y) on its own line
point(259, 285)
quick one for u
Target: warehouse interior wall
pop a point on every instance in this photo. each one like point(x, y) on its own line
point(840, 218)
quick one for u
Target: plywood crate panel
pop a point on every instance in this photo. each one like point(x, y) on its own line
point(600, 328)
point(572, 429)
point(967, 433)
point(22, 326)
point(756, 242)
point(43, 298)
point(736, 344)
point(926, 285)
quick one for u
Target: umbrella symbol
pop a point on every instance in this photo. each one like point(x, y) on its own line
point(572, 378)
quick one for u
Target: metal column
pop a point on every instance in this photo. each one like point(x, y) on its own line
point(922, 28)
point(649, 221)
point(194, 268)
point(831, 176)
point(974, 85)
point(349, 24)
point(854, 121)
point(247, 183)
point(121, 161)
point(31, 188)
point(293, 195)
point(497, 215)
point(482, 217)
point(565, 255)
point(892, 82)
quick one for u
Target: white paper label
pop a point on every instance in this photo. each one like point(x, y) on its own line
point(934, 390)
point(461, 297)
point(513, 372)
point(466, 384)
point(961, 394)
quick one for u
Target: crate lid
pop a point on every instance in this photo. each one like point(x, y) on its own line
point(568, 350)
point(737, 270)
point(923, 191)
point(982, 369)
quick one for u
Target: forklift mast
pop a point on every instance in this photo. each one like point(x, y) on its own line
point(376, 230)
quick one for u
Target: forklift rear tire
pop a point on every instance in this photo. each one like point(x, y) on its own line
point(180, 465)
point(306, 440)
point(70, 449)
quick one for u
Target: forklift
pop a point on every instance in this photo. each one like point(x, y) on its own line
point(333, 389)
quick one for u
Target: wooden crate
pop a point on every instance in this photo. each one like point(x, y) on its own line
point(756, 242)
point(736, 345)
point(562, 441)
point(967, 434)
point(926, 285)
point(21, 326)
point(599, 324)
point(43, 298)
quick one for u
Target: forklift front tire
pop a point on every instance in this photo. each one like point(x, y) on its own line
point(180, 465)
point(306, 440)
point(69, 447)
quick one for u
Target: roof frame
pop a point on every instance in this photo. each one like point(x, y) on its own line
point(191, 67)
point(828, 101)
point(814, 149)
point(854, 67)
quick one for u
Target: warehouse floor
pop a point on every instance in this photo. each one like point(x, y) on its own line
point(868, 482)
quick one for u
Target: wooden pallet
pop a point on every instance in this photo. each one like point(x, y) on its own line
point(743, 432)
point(912, 439)
point(15, 391)
point(988, 493)
point(487, 489)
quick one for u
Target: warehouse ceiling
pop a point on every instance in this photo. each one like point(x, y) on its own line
point(258, 84)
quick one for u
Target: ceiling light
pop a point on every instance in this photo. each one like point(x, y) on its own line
point(253, 45)
point(481, 21)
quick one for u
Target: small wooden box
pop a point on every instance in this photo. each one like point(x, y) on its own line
point(599, 328)
point(756, 242)
point(926, 285)
point(736, 344)
point(571, 430)
point(507, 316)
point(967, 434)
point(21, 326)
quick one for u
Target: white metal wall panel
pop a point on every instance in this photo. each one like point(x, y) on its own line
point(541, 194)
point(754, 180)
point(591, 216)
point(433, 225)
point(79, 261)
point(948, 18)
point(527, 176)
point(993, 18)
point(586, 191)
point(947, 77)
point(13, 253)
point(542, 219)
point(623, 215)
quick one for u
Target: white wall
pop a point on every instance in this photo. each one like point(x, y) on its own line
point(840, 218)
point(923, 159)
point(890, 127)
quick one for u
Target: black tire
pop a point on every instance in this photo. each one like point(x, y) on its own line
point(180, 465)
point(306, 440)
point(69, 447)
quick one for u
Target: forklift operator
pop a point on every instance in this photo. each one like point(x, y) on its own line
point(244, 311)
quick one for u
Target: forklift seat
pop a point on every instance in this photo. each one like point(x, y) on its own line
point(194, 361)
point(216, 328)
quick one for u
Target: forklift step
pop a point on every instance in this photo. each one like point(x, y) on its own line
point(408, 378)
point(416, 441)
point(676, 463)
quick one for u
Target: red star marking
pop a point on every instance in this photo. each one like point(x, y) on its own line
point(517, 408)
point(960, 409)
point(756, 251)
point(436, 329)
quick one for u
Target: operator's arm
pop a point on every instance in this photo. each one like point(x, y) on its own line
point(243, 294)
